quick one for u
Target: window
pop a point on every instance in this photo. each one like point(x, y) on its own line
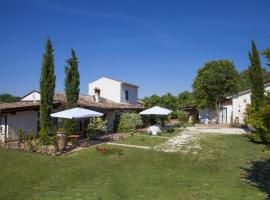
point(126, 95)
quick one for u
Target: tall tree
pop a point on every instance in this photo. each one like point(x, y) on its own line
point(244, 79)
point(169, 101)
point(256, 77)
point(72, 87)
point(185, 99)
point(47, 87)
point(153, 100)
point(267, 55)
point(8, 98)
point(214, 81)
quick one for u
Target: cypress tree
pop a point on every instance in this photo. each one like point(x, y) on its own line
point(72, 88)
point(47, 87)
point(256, 77)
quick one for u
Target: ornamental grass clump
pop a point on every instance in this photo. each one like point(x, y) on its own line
point(29, 140)
point(21, 137)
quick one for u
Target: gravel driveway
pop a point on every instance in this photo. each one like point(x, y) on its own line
point(189, 134)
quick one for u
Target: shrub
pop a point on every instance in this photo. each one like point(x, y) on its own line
point(54, 142)
point(195, 117)
point(182, 117)
point(128, 122)
point(260, 121)
point(21, 135)
point(29, 140)
point(69, 126)
point(44, 139)
point(96, 126)
point(173, 115)
point(109, 150)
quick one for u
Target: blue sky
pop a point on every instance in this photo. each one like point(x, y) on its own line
point(158, 45)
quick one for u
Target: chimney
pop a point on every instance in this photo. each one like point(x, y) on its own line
point(97, 94)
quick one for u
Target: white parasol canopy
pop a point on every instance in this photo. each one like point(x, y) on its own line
point(77, 113)
point(156, 110)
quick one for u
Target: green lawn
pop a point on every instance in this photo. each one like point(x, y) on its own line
point(214, 173)
point(143, 140)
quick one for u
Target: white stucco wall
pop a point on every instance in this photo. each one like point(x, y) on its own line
point(114, 90)
point(110, 117)
point(2, 128)
point(132, 94)
point(34, 96)
point(239, 104)
point(109, 89)
point(26, 120)
point(229, 113)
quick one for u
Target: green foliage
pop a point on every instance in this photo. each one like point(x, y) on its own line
point(195, 117)
point(259, 119)
point(72, 89)
point(173, 115)
point(21, 135)
point(47, 87)
point(128, 122)
point(29, 140)
point(151, 101)
point(44, 139)
point(266, 53)
point(169, 101)
point(256, 78)
point(8, 98)
point(87, 172)
point(69, 126)
point(72, 81)
point(54, 142)
point(244, 81)
point(96, 126)
point(214, 81)
point(185, 98)
point(182, 116)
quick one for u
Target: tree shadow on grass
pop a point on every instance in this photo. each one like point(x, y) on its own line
point(258, 174)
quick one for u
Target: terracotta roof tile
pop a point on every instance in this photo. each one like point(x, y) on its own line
point(84, 101)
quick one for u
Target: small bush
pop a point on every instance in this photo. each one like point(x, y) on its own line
point(173, 115)
point(69, 126)
point(21, 135)
point(109, 150)
point(54, 142)
point(96, 126)
point(195, 117)
point(29, 140)
point(182, 117)
point(128, 122)
point(44, 139)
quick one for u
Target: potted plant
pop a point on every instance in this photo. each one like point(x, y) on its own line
point(62, 139)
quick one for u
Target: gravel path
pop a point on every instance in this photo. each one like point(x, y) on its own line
point(129, 145)
point(176, 143)
point(182, 142)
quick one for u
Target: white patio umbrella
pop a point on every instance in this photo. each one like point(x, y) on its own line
point(156, 110)
point(77, 113)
